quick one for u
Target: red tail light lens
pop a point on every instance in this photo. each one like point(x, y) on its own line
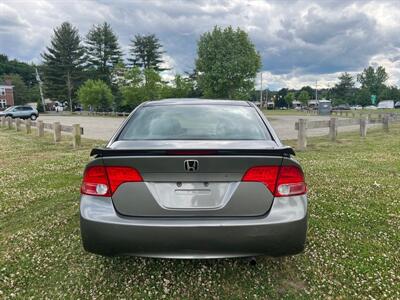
point(280, 181)
point(120, 175)
point(264, 174)
point(104, 181)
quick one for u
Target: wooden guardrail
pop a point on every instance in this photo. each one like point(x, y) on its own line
point(333, 123)
point(75, 130)
point(358, 113)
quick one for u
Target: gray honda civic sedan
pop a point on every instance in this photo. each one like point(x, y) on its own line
point(194, 178)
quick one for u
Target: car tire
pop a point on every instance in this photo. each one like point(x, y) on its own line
point(33, 117)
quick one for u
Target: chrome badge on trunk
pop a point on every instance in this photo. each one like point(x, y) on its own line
point(191, 165)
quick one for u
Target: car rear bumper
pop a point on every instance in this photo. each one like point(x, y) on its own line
point(280, 232)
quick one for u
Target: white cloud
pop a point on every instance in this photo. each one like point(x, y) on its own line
point(300, 41)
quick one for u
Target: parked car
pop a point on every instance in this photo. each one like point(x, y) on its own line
point(397, 104)
point(22, 111)
point(342, 107)
point(373, 107)
point(194, 178)
point(356, 107)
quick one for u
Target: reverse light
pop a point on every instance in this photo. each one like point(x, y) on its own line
point(280, 181)
point(104, 181)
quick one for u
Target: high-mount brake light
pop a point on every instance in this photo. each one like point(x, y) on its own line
point(104, 181)
point(281, 181)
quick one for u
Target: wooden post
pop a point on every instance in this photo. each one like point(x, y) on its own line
point(18, 124)
point(363, 126)
point(28, 126)
point(76, 136)
point(333, 129)
point(57, 131)
point(353, 115)
point(9, 122)
point(302, 135)
point(40, 128)
point(385, 123)
point(3, 121)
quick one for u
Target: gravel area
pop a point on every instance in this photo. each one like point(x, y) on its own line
point(102, 128)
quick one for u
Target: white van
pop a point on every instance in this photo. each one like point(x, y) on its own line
point(386, 104)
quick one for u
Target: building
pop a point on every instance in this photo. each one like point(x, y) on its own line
point(6, 95)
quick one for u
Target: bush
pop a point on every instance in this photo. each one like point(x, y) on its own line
point(95, 94)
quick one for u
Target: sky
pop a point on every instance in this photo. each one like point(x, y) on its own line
point(300, 42)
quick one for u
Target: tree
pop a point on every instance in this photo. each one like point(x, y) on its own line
point(152, 85)
point(390, 93)
point(363, 97)
point(63, 63)
point(373, 80)
point(280, 98)
point(26, 71)
point(131, 88)
point(39, 106)
point(182, 87)
point(304, 97)
point(227, 63)
point(103, 51)
point(95, 94)
point(289, 98)
point(21, 92)
point(146, 51)
point(344, 90)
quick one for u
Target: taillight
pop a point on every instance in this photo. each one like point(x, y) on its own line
point(280, 181)
point(290, 182)
point(104, 181)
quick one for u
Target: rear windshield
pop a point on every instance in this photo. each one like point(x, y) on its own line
point(195, 122)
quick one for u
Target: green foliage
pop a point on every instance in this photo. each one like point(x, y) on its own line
point(63, 63)
point(289, 98)
point(26, 71)
point(21, 92)
point(304, 97)
point(146, 52)
point(182, 87)
point(142, 85)
point(103, 51)
point(373, 80)
point(95, 94)
point(344, 91)
point(390, 93)
point(39, 106)
point(227, 63)
point(363, 97)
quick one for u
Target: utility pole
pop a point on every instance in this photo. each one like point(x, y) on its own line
point(316, 90)
point(261, 90)
point(40, 89)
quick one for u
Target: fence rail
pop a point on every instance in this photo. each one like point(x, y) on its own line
point(75, 130)
point(303, 124)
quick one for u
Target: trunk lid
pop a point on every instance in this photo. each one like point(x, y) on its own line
point(198, 181)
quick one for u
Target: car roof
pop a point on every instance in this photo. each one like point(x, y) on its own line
point(196, 101)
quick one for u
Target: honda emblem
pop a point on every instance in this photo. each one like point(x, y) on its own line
point(191, 165)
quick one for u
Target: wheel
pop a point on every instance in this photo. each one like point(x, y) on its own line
point(33, 117)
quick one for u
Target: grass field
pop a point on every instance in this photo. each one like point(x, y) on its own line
point(352, 249)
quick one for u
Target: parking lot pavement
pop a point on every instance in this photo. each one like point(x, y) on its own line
point(102, 128)
point(99, 128)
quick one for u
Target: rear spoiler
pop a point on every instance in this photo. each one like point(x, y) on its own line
point(107, 152)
